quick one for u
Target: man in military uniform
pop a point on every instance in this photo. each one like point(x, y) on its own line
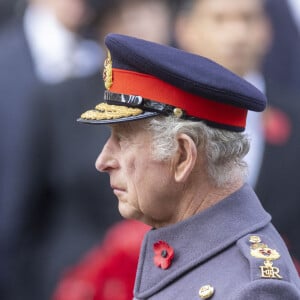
point(175, 161)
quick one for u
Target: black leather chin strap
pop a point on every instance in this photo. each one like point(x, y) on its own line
point(142, 103)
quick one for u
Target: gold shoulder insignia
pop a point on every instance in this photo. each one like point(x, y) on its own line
point(262, 251)
point(264, 256)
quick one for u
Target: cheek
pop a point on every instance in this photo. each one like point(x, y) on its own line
point(157, 199)
point(132, 172)
point(134, 175)
point(153, 183)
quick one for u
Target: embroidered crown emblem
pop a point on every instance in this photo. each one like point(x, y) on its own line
point(107, 72)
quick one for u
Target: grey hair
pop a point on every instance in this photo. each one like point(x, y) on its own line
point(224, 150)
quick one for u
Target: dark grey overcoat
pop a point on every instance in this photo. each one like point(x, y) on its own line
point(229, 251)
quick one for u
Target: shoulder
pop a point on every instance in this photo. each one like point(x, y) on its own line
point(271, 271)
point(267, 290)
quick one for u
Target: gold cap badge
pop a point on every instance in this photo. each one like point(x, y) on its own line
point(107, 72)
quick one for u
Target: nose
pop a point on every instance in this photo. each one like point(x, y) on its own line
point(106, 160)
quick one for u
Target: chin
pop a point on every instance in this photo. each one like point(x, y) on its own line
point(128, 212)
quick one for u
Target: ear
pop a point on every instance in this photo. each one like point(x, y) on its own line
point(185, 158)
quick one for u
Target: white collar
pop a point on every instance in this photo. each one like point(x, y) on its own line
point(57, 52)
point(294, 6)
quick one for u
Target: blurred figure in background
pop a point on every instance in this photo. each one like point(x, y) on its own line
point(278, 184)
point(52, 29)
point(107, 272)
point(151, 20)
point(237, 35)
point(28, 47)
point(282, 64)
point(7, 10)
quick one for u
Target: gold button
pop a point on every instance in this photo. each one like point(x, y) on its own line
point(178, 112)
point(206, 291)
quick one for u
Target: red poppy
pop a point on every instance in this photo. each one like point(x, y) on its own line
point(277, 126)
point(163, 254)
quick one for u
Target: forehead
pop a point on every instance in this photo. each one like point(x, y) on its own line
point(230, 6)
point(134, 127)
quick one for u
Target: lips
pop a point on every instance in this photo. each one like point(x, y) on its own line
point(117, 188)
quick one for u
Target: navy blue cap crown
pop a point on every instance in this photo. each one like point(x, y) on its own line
point(145, 79)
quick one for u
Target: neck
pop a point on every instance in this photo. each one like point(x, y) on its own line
point(205, 196)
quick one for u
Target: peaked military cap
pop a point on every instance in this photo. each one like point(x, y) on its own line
point(144, 79)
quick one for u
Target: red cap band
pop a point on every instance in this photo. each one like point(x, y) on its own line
point(150, 87)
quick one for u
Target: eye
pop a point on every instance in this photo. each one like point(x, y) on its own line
point(122, 138)
point(122, 134)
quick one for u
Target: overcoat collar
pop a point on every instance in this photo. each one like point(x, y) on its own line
point(199, 238)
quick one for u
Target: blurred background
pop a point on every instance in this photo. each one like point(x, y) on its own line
point(61, 236)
